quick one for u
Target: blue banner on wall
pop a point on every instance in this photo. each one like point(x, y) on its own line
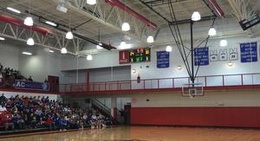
point(248, 52)
point(201, 56)
point(30, 85)
point(163, 59)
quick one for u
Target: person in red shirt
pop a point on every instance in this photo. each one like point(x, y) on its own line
point(7, 120)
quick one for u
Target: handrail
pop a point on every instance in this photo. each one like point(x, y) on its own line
point(100, 104)
point(106, 109)
point(162, 83)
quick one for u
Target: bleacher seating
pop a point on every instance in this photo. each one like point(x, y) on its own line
point(23, 113)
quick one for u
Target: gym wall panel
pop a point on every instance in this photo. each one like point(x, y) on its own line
point(197, 116)
point(225, 108)
point(40, 65)
point(102, 60)
point(9, 55)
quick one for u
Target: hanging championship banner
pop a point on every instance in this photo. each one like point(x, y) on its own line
point(233, 54)
point(201, 56)
point(248, 52)
point(214, 55)
point(163, 60)
point(223, 55)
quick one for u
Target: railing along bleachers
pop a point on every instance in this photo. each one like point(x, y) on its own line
point(228, 80)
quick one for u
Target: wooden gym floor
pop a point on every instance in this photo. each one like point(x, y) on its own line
point(141, 133)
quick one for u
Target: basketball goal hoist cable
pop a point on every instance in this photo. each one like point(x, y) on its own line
point(175, 31)
point(185, 52)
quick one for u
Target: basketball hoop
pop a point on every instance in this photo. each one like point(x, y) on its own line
point(192, 90)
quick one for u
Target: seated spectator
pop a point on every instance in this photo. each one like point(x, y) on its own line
point(50, 123)
point(1, 79)
point(30, 78)
point(7, 120)
point(2, 108)
point(1, 67)
point(63, 124)
point(33, 121)
point(18, 121)
point(3, 98)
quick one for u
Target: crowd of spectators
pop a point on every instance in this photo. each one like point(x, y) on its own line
point(28, 112)
point(9, 75)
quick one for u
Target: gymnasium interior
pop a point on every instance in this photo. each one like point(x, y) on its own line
point(129, 70)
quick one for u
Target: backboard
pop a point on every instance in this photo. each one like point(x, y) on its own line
point(192, 89)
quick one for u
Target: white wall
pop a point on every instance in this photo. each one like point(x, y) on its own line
point(40, 64)
point(97, 75)
point(233, 98)
point(77, 76)
point(9, 55)
point(110, 74)
point(149, 70)
point(102, 60)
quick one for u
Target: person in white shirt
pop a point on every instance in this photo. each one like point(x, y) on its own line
point(2, 108)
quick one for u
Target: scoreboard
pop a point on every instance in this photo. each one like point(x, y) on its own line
point(135, 55)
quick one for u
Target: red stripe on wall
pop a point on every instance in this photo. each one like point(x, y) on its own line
point(197, 116)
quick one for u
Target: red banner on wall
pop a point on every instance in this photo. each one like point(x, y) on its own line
point(123, 56)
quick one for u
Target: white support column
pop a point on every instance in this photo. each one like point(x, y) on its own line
point(114, 108)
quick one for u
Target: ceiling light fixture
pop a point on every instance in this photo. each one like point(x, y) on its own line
point(133, 70)
point(51, 51)
point(223, 43)
point(89, 57)
point(63, 50)
point(125, 26)
point(230, 64)
point(13, 10)
point(51, 23)
point(2, 38)
point(30, 41)
point(168, 49)
point(69, 35)
point(179, 67)
point(26, 53)
point(150, 39)
point(61, 7)
point(28, 21)
point(212, 31)
point(195, 16)
point(91, 2)
point(123, 43)
point(99, 47)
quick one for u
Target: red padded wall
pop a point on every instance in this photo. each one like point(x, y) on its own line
point(197, 116)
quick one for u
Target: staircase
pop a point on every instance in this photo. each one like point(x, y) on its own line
point(106, 111)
